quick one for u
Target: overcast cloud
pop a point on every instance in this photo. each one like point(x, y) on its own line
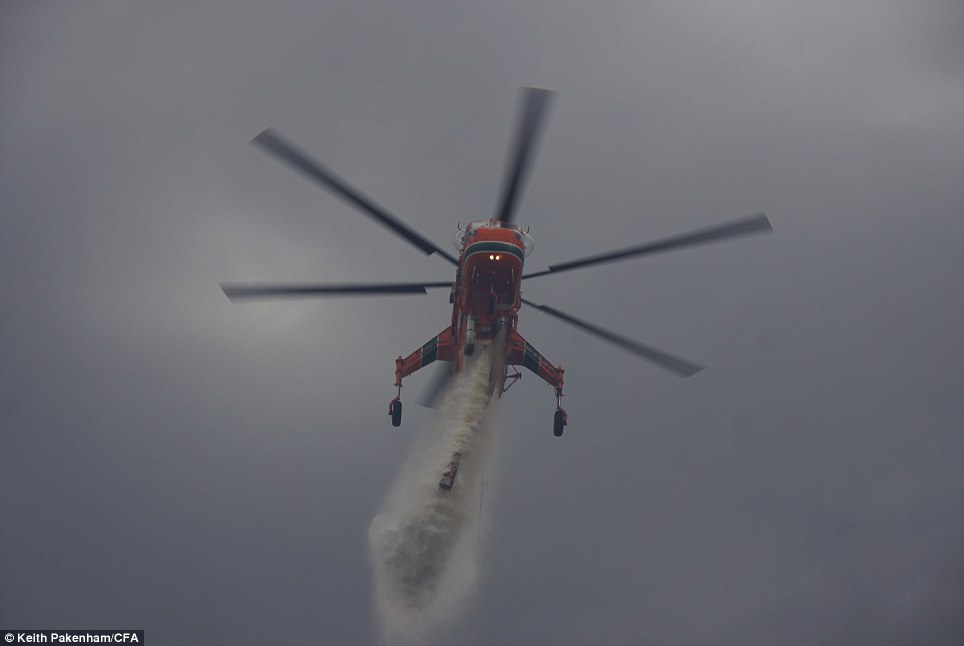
point(207, 471)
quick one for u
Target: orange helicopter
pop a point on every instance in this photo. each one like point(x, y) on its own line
point(486, 294)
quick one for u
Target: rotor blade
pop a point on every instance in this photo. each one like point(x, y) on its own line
point(295, 290)
point(757, 223)
point(681, 367)
point(272, 142)
point(433, 391)
point(530, 120)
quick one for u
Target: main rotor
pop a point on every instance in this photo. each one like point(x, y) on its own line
point(534, 105)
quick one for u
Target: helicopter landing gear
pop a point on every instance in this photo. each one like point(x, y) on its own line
point(559, 422)
point(395, 411)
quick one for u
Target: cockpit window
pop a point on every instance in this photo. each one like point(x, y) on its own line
point(472, 227)
point(528, 244)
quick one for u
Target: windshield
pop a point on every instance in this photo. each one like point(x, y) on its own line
point(522, 236)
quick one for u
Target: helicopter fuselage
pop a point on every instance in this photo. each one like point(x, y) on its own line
point(486, 295)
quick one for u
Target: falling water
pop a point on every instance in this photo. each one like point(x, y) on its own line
point(423, 543)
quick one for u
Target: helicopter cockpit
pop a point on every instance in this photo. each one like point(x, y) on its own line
point(472, 228)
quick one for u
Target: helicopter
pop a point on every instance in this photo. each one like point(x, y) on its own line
point(486, 295)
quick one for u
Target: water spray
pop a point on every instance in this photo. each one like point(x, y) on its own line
point(425, 563)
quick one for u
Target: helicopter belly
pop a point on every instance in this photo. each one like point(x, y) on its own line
point(492, 285)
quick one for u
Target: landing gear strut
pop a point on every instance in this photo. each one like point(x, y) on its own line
point(560, 420)
point(395, 406)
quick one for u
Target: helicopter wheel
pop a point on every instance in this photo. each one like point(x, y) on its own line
point(396, 413)
point(558, 423)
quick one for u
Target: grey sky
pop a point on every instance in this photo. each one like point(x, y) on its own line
point(208, 471)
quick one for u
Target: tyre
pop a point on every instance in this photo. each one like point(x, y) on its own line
point(558, 423)
point(396, 413)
